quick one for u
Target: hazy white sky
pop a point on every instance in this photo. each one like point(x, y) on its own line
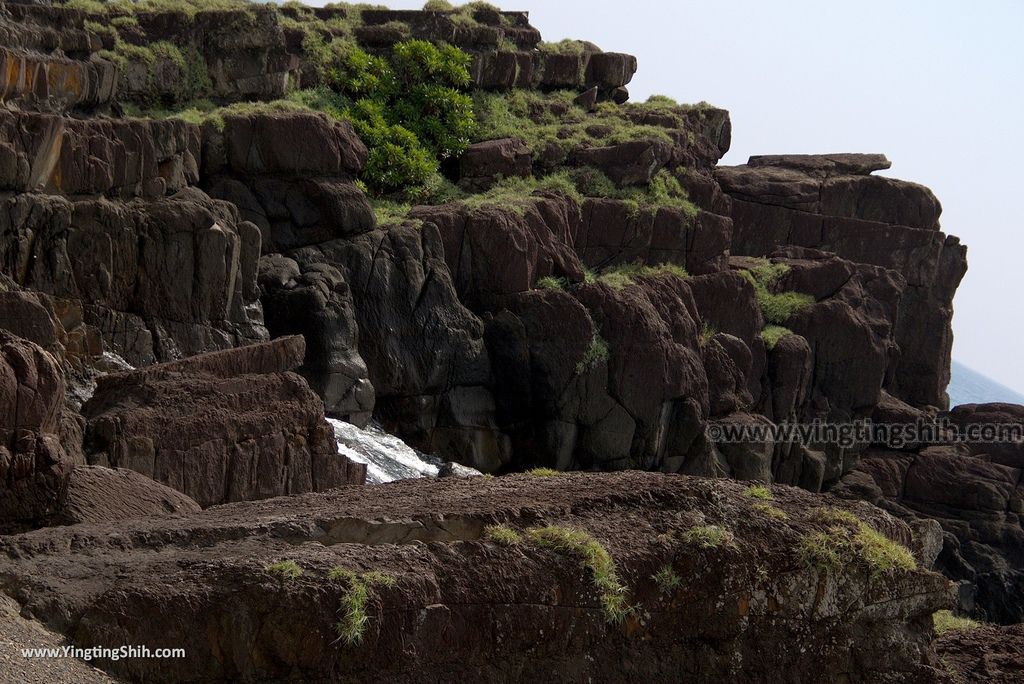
point(937, 85)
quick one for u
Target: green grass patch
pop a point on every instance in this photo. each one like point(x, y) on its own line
point(777, 307)
point(851, 539)
point(594, 557)
point(771, 334)
point(771, 511)
point(945, 621)
point(502, 534)
point(351, 625)
point(544, 472)
point(518, 194)
point(759, 492)
point(552, 283)
point(707, 331)
point(709, 537)
point(625, 275)
point(595, 354)
point(286, 569)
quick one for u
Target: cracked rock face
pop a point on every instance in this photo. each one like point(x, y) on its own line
point(460, 606)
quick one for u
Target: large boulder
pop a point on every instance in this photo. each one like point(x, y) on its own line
point(225, 426)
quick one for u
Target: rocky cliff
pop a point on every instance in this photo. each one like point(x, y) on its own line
point(221, 223)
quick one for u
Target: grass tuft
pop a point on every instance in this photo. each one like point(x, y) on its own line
point(849, 539)
point(286, 569)
point(759, 492)
point(544, 472)
point(351, 626)
point(771, 511)
point(502, 534)
point(771, 334)
point(945, 621)
point(594, 557)
point(596, 353)
point(709, 536)
point(777, 307)
point(552, 283)
point(667, 579)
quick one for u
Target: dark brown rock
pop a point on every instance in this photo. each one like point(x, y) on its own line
point(34, 468)
point(483, 163)
point(202, 584)
point(97, 494)
point(227, 426)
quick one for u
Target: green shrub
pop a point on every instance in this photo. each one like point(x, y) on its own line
point(595, 354)
point(438, 6)
point(407, 106)
point(594, 557)
point(286, 569)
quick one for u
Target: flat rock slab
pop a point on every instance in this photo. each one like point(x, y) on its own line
point(460, 607)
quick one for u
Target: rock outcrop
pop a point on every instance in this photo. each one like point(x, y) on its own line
point(226, 426)
point(258, 590)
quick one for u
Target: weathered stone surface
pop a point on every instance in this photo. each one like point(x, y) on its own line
point(226, 426)
point(157, 279)
point(201, 583)
point(629, 163)
point(316, 302)
point(483, 163)
point(831, 203)
point(34, 468)
point(495, 252)
point(292, 143)
point(118, 158)
point(985, 653)
point(97, 494)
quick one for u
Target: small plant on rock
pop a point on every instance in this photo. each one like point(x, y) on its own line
point(286, 569)
point(552, 283)
point(544, 472)
point(850, 538)
point(945, 621)
point(771, 334)
point(354, 618)
point(667, 579)
point(502, 534)
point(595, 558)
point(771, 511)
point(759, 492)
point(708, 536)
point(595, 354)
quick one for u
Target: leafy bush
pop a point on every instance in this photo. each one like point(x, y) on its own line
point(408, 107)
point(437, 6)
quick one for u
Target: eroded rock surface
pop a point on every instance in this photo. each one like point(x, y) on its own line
point(461, 606)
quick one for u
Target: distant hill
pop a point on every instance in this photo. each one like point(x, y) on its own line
point(968, 386)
